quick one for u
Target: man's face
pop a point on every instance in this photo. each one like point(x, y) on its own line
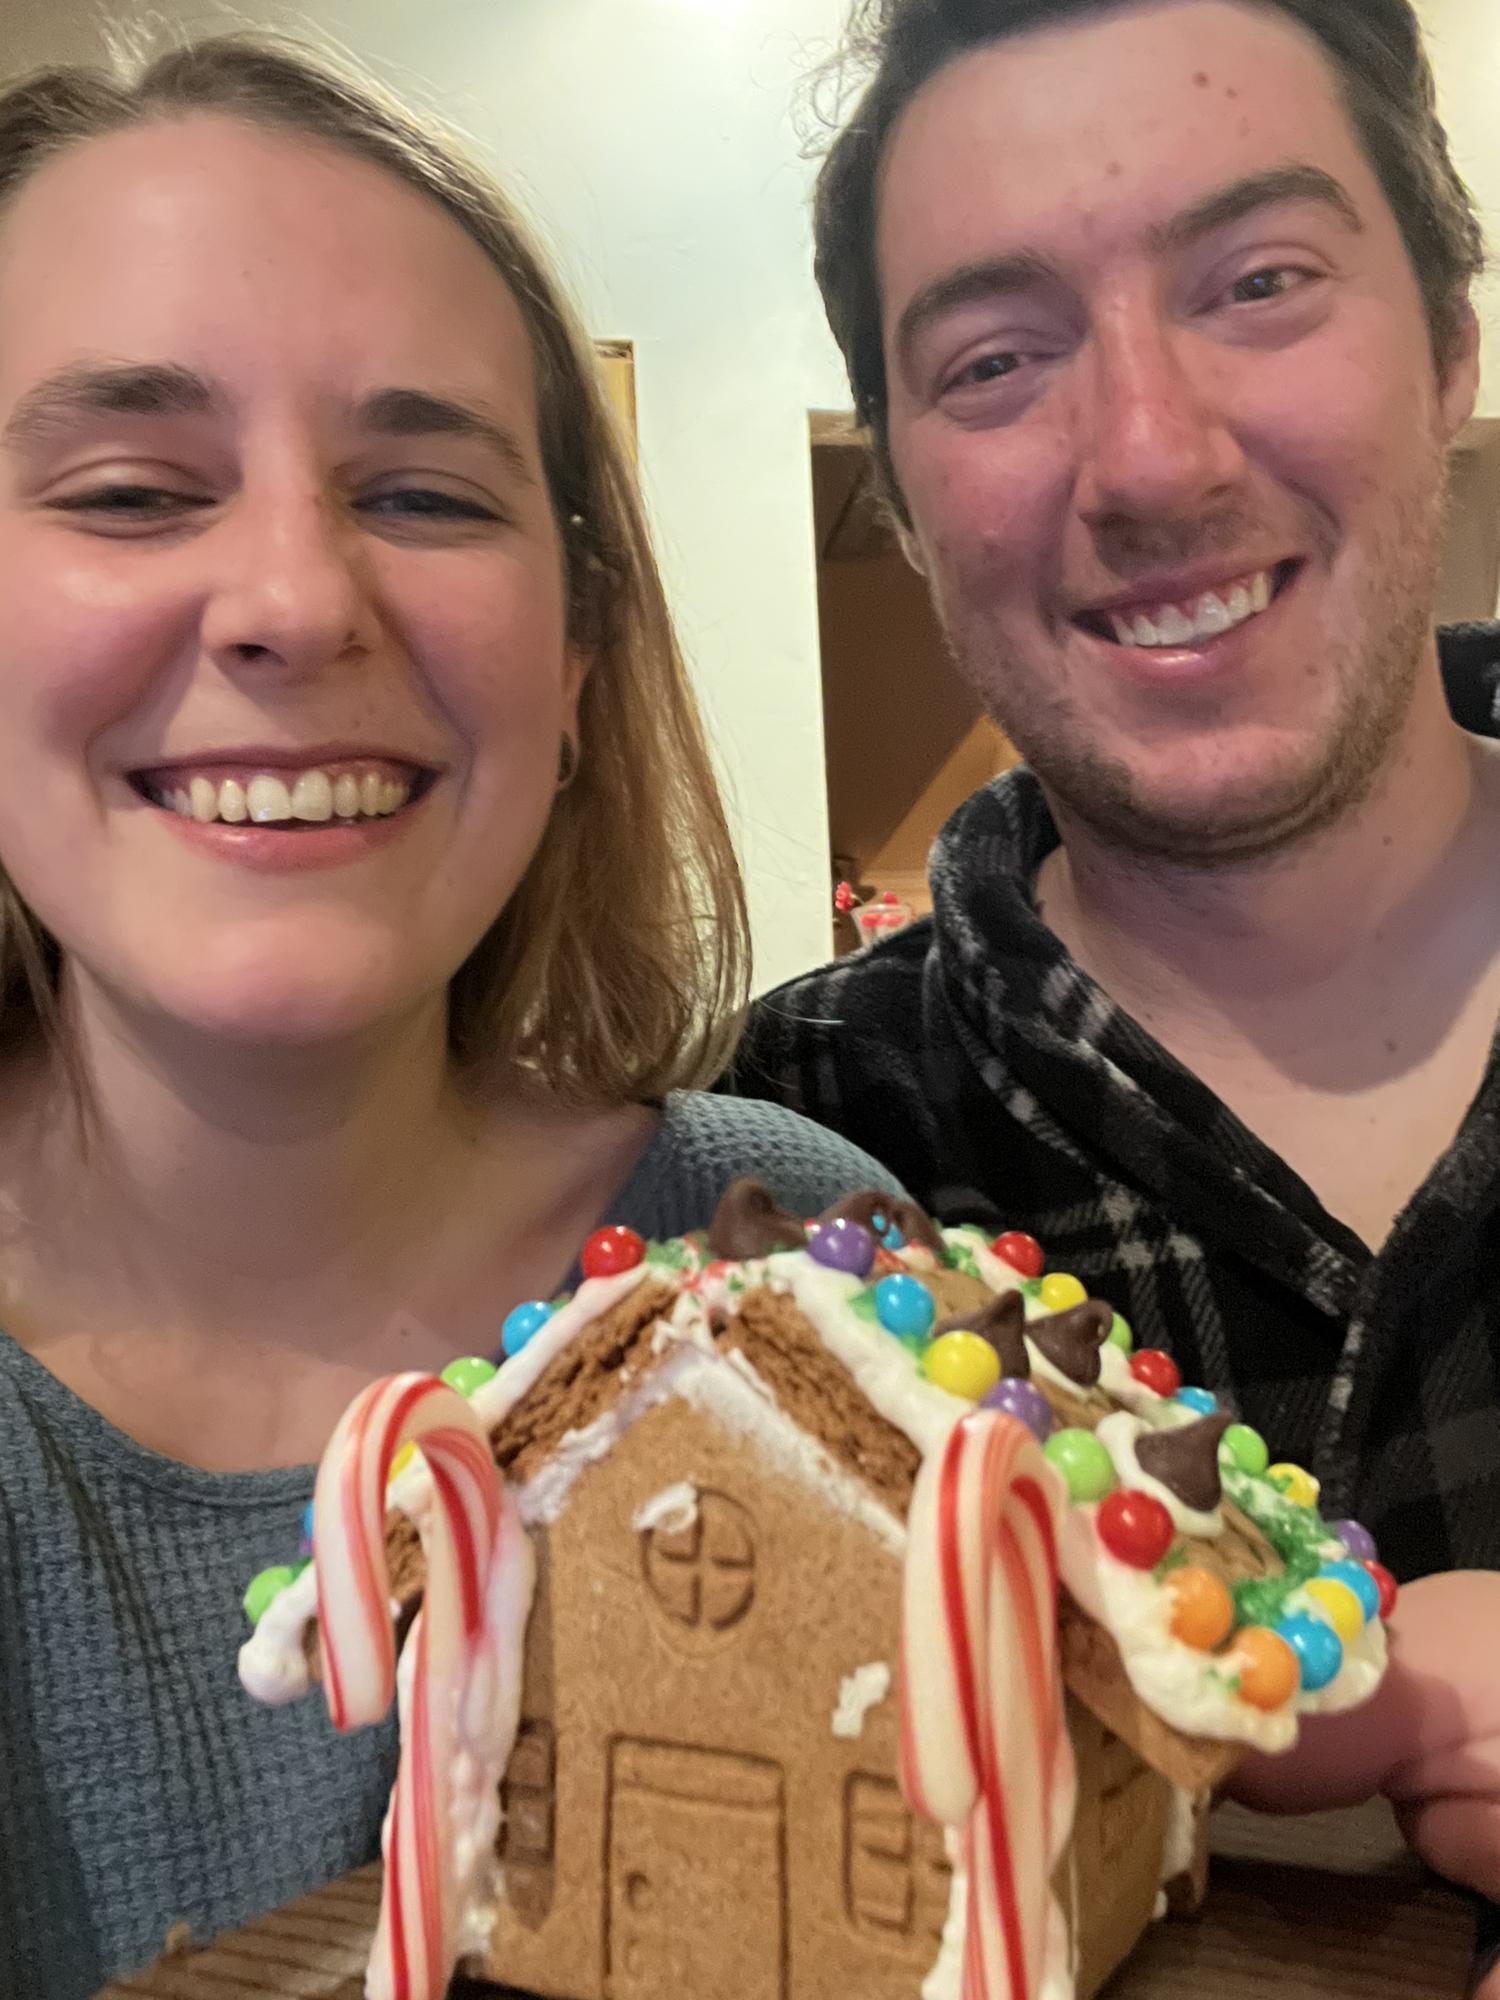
point(1164, 411)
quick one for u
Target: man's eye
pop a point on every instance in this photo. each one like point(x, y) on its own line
point(1274, 282)
point(424, 503)
point(988, 368)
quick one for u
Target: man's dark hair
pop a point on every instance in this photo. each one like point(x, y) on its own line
point(1384, 75)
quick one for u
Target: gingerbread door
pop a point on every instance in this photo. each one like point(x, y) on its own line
point(696, 1895)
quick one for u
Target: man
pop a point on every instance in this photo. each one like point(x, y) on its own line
point(1159, 316)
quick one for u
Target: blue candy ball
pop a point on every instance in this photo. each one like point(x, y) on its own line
point(1354, 1576)
point(892, 1238)
point(1204, 1401)
point(843, 1245)
point(1319, 1649)
point(903, 1305)
point(522, 1322)
point(307, 1522)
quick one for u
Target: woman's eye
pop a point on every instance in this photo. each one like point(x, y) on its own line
point(132, 503)
point(424, 503)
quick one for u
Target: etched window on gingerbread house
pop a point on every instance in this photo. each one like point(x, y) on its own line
point(701, 1575)
point(527, 1830)
point(896, 1871)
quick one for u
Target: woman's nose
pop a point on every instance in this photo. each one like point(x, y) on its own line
point(291, 591)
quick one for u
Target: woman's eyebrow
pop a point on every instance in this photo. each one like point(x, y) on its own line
point(61, 401)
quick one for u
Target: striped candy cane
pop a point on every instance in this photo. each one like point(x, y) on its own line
point(984, 1741)
point(459, 1706)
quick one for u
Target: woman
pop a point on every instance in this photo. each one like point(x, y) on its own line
point(365, 895)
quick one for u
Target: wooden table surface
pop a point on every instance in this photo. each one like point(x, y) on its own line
point(1330, 1907)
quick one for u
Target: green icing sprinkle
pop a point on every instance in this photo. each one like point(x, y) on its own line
point(673, 1256)
point(1262, 1600)
point(1297, 1534)
point(959, 1257)
point(862, 1302)
point(1175, 1557)
point(1032, 1287)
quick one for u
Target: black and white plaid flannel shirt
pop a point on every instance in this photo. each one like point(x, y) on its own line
point(1004, 1087)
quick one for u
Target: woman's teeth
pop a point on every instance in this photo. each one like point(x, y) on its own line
point(1205, 618)
point(312, 797)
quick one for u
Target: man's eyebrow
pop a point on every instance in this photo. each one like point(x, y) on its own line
point(416, 413)
point(1270, 188)
point(135, 389)
point(971, 284)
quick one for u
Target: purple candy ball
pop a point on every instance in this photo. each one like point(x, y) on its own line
point(1357, 1540)
point(843, 1246)
point(1023, 1401)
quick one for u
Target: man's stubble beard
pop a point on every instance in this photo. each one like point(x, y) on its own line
point(1292, 805)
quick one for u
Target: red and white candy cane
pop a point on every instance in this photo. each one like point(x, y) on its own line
point(459, 1707)
point(984, 1741)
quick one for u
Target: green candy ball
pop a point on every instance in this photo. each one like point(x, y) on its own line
point(469, 1373)
point(1120, 1336)
point(263, 1588)
point(1083, 1462)
point(1245, 1449)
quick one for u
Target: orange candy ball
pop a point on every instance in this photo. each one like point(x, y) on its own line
point(1202, 1608)
point(1268, 1669)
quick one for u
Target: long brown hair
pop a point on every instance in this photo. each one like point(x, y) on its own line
point(617, 969)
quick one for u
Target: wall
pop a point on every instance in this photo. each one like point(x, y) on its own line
point(652, 140)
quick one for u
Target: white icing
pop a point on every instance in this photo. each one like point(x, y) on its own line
point(674, 1509)
point(730, 1390)
point(860, 1691)
point(1118, 1433)
point(273, 1665)
point(1159, 1907)
point(1116, 1379)
point(1180, 1841)
point(946, 1979)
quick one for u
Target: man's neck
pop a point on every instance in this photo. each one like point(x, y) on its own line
point(1234, 940)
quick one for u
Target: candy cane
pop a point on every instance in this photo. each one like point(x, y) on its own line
point(460, 1704)
point(984, 1741)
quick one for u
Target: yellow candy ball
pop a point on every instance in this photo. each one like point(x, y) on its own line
point(1294, 1484)
point(1338, 1605)
point(1059, 1290)
point(402, 1459)
point(963, 1364)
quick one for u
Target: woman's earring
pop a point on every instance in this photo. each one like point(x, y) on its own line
point(567, 763)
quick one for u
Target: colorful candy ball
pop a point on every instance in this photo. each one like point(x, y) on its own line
point(1022, 1252)
point(904, 1305)
point(522, 1323)
point(469, 1372)
point(1203, 1402)
point(1083, 1462)
point(1202, 1608)
point(610, 1251)
point(307, 1522)
point(1319, 1649)
point(1244, 1449)
point(1357, 1540)
point(1120, 1335)
point(843, 1245)
point(1060, 1290)
point(402, 1459)
point(892, 1238)
point(1386, 1584)
point(1354, 1576)
point(1156, 1370)
point(1025, 1402)
point(1136, 1527)
point(1268, 1670)
point(1294, 1483)
point(962, 1363)
point(1337, 1603)
point(264, 1588)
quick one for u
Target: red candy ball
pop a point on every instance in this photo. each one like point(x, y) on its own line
point(610, 1251)
point(1157, 1370)
point(1387, 1585)
point(1022, 1252)
point(1136, 1527)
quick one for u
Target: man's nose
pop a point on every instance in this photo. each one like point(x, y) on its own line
point(1155, 445)
point(291, 588)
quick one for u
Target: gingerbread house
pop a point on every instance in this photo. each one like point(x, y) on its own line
point(738, 1465)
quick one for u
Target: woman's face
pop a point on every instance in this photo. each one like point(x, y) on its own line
point(283, 660)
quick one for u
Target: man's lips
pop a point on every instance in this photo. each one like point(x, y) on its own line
point(1187, 609)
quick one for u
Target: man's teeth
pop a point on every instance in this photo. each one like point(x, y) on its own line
point(268, 800)
point(1205, 618)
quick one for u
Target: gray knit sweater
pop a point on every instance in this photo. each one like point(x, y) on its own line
point(139, 1786)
